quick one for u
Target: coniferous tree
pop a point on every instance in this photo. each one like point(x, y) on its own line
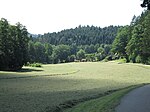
point(134, 46)
point(145, 45)
point(120, 42)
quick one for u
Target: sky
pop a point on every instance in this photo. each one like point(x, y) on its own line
point(43, 16)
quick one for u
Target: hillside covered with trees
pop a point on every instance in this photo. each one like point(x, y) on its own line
point(81, 35)
point(84, 43)
point(131, 42)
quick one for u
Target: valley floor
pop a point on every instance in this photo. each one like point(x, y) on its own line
point(44, 89)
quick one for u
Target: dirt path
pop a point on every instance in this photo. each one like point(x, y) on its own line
point(137, 100)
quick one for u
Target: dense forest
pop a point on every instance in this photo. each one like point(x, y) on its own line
point(84, 43)
point(81, 35)
point(133, 42)
point(89, 43)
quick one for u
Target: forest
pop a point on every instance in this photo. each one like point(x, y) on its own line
point(133, 42)
point(83, 43)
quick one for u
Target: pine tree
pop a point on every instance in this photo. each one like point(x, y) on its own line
point(120, 42)
point(146, 40)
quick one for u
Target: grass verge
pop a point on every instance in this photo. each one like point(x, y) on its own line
point(107, 103)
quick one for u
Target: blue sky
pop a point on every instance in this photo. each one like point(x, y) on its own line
point(42, 16)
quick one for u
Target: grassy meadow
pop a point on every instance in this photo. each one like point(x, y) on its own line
point(44, 89)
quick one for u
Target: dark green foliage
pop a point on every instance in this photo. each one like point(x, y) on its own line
point(82, 35)
point(94, 43)
point(90, 49)
point(138, 59)
point(146, 39)
point(71, 58)
point(40, 53)
point(90, 57)
point(133, 42)
point(81, 54)
point(134, 46)
point(99, 56)
point(31, 51)
point(139, 46)
point(34, 64)
point(48, 49)
point(146, 3)
point(66, 45)
point(13, 45)
point(4, 45)
point(120, 41)
point(61, 53)
point(100, 50)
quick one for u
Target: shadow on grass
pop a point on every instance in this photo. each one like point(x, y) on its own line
point(71, 103)
point(25, 70)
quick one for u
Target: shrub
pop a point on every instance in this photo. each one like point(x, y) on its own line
point(122, 60)
point(109, 58)
point(132, 58)
point(138, 59)
point(148, 62)
point(34, 64)
point(105, 60)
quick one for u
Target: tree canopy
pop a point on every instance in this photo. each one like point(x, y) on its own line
point(13, 45)
point(84, 42)
point(81, 35)
point(146, 3)
point(135, 46)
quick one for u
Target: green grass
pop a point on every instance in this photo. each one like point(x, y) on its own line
point(106, 103)
point(45, 70)
point(33, 64)
point(120, 61)
point(44, 89)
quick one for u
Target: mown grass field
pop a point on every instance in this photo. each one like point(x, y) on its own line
point(44, 89)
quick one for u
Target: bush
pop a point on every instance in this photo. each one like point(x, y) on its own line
point(71, 58)
point(100, 57)
point(34, 64)
point(148, 62)
point(109, 58)
point(132, 58)
point(90, 57)
point(122, 60)
point(105, 60)
point(138, 59)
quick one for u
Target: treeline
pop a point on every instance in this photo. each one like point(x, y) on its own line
point(13, 45)
point(81, 35)
point(133, 42)
point(82, 43)
point(47, 53)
